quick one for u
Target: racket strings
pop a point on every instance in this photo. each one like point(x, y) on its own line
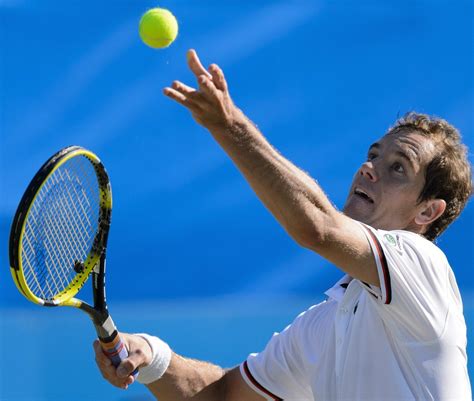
point(60, 227)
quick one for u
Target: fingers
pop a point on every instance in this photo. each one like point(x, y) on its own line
point(105, 365)
point(207, 87)
point(121, 376)
point(195, 64)
point(100, 357)
point(190, 97)
point(214, 73)
point(210, 104)
point(126, 368)
point(218, 77)
point(183, 88)
point(181, 97)
point(182, 94)
point(210, 82)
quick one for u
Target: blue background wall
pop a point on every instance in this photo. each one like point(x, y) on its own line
point(191, 247)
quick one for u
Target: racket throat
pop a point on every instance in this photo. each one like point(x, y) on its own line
point(103, 323)
point(106, 331)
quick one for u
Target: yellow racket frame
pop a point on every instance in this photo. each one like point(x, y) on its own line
point(66, 296)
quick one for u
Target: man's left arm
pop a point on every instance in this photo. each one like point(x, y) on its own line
point(294, 198)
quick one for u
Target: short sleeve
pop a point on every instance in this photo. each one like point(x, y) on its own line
point(413, 275)
point(278, 372)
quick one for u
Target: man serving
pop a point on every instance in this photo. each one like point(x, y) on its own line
point(392, 328)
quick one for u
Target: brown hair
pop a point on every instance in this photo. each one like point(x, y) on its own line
point(448, 175)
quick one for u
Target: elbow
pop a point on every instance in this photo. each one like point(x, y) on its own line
point(311, 226)
point(310, 236)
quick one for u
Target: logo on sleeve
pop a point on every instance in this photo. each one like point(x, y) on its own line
point(393, 241)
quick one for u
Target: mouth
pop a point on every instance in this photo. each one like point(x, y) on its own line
point(362, 194)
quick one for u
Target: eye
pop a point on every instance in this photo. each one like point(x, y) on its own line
point(371, 156)
point(398, 168)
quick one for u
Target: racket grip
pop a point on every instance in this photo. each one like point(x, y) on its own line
point(116, 351)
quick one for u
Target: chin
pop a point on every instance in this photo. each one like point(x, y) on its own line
point(360, 209)
point(357, 213)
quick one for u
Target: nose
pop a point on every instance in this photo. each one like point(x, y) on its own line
point(367, 170)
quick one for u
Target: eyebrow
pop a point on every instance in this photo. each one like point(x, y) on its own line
point(374, 145)
point(402, 154)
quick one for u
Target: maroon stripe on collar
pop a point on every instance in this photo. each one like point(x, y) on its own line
point(385, 271)
point(258, 385)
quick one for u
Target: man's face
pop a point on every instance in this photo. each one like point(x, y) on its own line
point(385, 189)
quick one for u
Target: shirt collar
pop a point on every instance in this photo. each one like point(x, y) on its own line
point(337, 291)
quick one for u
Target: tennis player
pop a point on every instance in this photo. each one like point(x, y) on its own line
point(392, 327)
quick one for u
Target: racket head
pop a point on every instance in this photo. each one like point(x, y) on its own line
point(60, 227)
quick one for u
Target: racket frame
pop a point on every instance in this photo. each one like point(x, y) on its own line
point(94, 265)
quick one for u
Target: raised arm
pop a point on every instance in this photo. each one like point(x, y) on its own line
point(294, 198)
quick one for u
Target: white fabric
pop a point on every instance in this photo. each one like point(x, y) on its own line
point(403, 341)
point(160, 360)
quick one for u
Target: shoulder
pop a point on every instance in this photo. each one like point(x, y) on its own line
point(410, 246)
point(407, 260)
point(416, 281)
point(413, 243)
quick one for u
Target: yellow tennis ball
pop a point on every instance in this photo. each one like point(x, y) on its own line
point(158, 28)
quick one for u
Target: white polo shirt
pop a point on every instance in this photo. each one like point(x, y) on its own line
point(403, 341)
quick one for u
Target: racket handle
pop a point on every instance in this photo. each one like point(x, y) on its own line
point(116, 351)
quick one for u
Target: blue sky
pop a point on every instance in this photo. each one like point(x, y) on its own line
point(189, 240)
point(321, 79)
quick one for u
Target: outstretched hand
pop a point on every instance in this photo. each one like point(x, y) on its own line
point(139, 354)
point(210, 104)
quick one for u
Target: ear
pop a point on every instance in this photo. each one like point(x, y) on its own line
point(432, 210)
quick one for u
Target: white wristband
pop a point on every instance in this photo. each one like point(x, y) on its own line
point(161, 358)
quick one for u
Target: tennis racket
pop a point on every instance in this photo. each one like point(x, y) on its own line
point(59, 237)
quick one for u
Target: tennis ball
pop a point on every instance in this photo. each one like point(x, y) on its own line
point(158, 28)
